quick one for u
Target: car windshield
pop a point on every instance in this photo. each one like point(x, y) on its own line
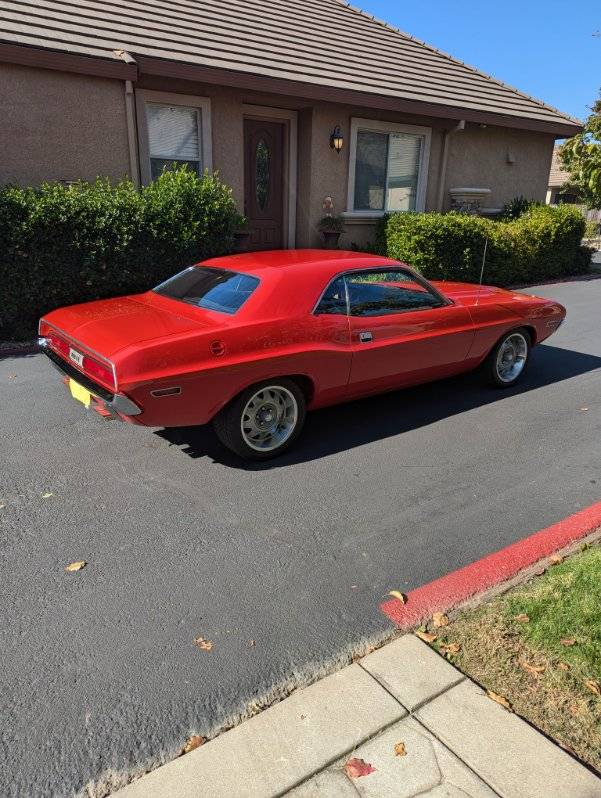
point(211, 289)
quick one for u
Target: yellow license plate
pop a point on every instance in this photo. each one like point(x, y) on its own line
point(80, 393)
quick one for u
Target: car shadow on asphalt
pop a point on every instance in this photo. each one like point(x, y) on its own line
point(344, 427)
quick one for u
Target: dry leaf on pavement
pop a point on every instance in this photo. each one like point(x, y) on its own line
point(400, 750)
point(522, 618)
point(355, 768)
point(203, 645)
point(568, 641)
point(398, 595)
point(535, 670)
point(2, 505)
point(75, 566)
point(556, 559)
point(47, 494)
point(451, 648)
point(439, 619)
point(563, 666)
point(584, 409)
point(193, 742)
point(594, 686)
point(500, 699)
point(427, 637)
point(252, 643)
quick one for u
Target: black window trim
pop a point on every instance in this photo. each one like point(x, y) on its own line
point(378, 268)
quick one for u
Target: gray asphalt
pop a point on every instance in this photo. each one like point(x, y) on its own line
point(99, 669)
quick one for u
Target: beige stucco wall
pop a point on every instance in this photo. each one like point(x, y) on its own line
point(509, 162)
point(60, 126)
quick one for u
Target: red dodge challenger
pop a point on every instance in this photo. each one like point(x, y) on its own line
point(251, 342)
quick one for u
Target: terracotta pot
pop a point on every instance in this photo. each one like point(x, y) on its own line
point(331, 238)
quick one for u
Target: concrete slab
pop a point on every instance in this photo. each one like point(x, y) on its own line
point(328, 784)
point(513, 758)
point(411, 671)
point(279, 748)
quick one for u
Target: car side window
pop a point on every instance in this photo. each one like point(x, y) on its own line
point(379, 293)
point(333, 301)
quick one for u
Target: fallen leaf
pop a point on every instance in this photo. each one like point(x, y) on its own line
point(203, 645)
point(451, 648)
point(193, 742)
point(252, 643)
point(556, 559)
point(533, 669)
point(47, 495)
point(584, 409)
point(398, 595)
point(563, 666)
point(400, 750)
point(500, 699)
point(540, 572)
point(11, 376)
point(2, 505)
point(594, 686)
point(439, 619)
point(355, 768)
point(522, 618)
point(427, 637)
point(568, 641)
point(75, 566)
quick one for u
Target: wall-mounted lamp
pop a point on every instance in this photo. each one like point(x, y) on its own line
point(337, 139)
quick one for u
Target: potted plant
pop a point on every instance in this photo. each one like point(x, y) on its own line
point(331, 229)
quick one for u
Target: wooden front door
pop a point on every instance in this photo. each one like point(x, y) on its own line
point(264, 183)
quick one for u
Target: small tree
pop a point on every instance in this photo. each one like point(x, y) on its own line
point(581, 157)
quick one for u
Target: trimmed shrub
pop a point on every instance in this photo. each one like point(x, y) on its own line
point(542, 243)
point(65, 244)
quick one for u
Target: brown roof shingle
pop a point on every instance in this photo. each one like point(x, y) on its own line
point(557, 176)
point(316, 42)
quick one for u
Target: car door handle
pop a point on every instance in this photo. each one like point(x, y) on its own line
point(365, 337)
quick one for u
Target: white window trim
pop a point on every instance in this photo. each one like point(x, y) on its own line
point(290, 160)
point(203, 104)
point(376, 125)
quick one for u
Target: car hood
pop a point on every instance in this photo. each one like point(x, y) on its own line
point(108, 326)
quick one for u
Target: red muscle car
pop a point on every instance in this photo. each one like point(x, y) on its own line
point(253, 341)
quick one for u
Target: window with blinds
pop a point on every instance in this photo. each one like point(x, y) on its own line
point(387, 170)
point(174, 137)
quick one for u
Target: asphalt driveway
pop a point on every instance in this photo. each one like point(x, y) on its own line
point(281, 566)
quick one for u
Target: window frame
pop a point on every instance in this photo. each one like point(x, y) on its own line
point(444, 301)
point(377, 126)
point(200, 104)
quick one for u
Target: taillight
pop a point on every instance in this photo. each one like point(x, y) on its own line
point(99, 371)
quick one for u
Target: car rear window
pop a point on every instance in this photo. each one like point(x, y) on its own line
point(212, 289)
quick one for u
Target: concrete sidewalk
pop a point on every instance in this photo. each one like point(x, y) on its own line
point(458, 742)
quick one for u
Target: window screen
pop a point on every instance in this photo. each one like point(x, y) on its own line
point(173, 137)
point(387, 171)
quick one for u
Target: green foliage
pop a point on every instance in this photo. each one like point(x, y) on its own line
point(581, 157)
point(331, 224)
point(543, 243)
point(517, 207)
point(592, 229)
point(65, 244)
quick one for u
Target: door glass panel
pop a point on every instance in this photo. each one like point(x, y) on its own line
point(375, 293)
point(262, 173)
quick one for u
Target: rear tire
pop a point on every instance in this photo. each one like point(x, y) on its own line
point(509, 358)
point(263, 421)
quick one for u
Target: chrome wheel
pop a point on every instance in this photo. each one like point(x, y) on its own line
point(269, 418)
point(512, 357)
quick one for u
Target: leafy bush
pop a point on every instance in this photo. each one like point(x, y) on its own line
point(544, 242)
point(517, 207)
point(65, 244)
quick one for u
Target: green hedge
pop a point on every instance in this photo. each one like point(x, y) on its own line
point(65, 244)
point(545, 242)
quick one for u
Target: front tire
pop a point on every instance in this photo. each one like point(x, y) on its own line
point(263, 421)
point(508, 360)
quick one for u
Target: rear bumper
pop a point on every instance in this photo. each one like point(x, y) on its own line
point(115, 404)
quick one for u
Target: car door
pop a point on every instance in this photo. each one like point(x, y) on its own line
point(402, 330)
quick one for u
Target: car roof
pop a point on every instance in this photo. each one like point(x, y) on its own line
point(292, 279)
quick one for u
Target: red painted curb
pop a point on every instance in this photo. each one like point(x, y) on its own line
point(449, 590)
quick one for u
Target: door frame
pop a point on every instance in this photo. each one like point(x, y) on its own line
point(290, 121)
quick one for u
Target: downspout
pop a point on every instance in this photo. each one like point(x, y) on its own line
point(442, 175)
point(130, 114)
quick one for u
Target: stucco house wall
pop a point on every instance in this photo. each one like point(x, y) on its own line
point(60, 126)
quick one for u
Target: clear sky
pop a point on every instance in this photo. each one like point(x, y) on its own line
point(545, 48)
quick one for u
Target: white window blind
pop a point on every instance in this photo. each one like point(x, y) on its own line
point(173, 136)
point(404, 154)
